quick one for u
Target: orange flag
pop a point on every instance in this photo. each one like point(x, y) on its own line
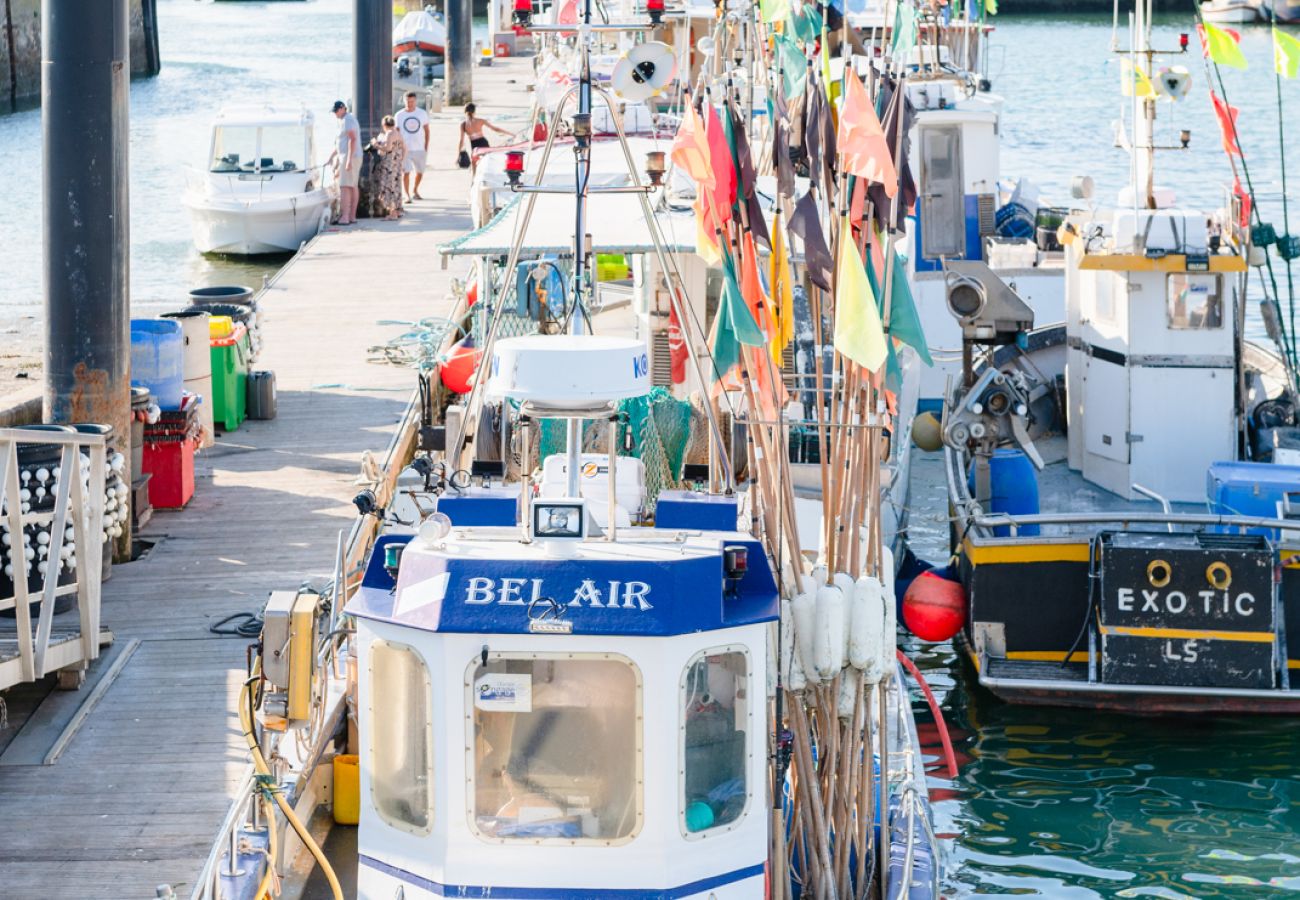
point(751, 288)
point(861, 141)
point(691, 149)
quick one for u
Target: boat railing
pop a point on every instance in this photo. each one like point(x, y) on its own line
point(971, 511)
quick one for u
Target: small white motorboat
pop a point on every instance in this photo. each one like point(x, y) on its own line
point(419, 32)
point(261, 191)
point(1233, 12)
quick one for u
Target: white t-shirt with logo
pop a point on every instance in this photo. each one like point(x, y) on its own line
point(411, 124)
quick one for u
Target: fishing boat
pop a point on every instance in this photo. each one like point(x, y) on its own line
point(261, 190)
point(420, 32)
point(590, 653)
point(1122, 485)
point(1234, 12)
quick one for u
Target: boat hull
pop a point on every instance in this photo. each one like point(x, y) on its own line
point(251, 228)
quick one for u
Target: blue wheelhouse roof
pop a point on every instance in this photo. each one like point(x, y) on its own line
point(655, 587)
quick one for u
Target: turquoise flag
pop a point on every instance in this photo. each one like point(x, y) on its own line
point(794, 66)
point(904, 29)
point(733, 324)
point(904, 320)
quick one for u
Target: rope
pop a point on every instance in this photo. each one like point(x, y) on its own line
point(249, 625)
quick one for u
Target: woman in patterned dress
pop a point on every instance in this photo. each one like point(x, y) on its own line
point(392, 158)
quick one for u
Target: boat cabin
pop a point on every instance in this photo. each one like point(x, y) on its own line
point(254, 143)
point(512, 675)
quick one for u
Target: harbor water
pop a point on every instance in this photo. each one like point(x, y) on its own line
point(1050, 803)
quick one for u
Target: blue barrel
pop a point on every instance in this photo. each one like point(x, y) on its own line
point(1013, 482)
point(157, 359)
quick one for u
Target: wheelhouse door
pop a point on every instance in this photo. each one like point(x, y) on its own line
point(943, 214)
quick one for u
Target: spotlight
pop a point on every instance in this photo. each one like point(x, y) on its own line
point(654, 167)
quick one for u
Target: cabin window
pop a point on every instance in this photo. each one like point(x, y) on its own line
point(714, 739)
point(282, 148)
point(554, 747)
point(234, 149)
point(401, 743)
point(1195, 302)
point(248, 148)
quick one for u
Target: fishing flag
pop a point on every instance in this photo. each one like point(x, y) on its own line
point(861, 140)
point(991, 7)
point(751, 288)
point(1286, 53)
point(817, 256)
point(858, 332)
point(793, 65)
point(1221, 45)
point(905, 29)
point(1227, 116)
point(691, 149)
point(898, 114)
point(782, 284)
point(733, 326)
point(747, 178)
point(774, 10)
point(904, 320)
point(677, 352)
point(1133, 82)
point(724, 181)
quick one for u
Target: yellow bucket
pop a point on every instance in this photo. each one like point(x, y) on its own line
point(347, 789)
point(220, 326)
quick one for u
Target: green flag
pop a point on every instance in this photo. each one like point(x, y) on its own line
point(733, 323)
point(794, 66)
point(1222, 48)
point(1286, 53)
point(904, 320)
point(774, 10)
point(904, 29)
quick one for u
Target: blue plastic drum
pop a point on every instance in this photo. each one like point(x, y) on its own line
point(1013, 482)
point(157, 359)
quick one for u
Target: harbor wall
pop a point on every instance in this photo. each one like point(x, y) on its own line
point(20, 48)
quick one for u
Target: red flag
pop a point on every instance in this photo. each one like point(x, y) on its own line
point(724, 174)
point(676, 346)
point(1227, 116)
point(1244, 200)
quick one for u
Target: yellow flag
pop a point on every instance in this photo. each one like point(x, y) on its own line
point(1133, 81)
point(706, 246)
point(782, 283)
point(858, 332)
point(1286, 53)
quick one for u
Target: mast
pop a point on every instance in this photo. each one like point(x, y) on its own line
point(1144, 107)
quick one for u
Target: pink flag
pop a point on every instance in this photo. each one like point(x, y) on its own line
point(724, 188)
point(862, 144)
point(691, 149)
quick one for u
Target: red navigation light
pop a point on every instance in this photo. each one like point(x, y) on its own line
point(1182, 41)
point(514, 165)
point(523, 14)
point(656, 10)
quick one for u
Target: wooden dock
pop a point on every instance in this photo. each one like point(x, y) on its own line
point(138, 794)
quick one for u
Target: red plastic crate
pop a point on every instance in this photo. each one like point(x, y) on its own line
point(171, 463)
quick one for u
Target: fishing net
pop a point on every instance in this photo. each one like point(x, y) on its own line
point(660, 427)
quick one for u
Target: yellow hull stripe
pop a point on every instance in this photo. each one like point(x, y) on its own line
point(1174, 262)
point(1024, 553)
point(1254, 637)
point(1047, 655)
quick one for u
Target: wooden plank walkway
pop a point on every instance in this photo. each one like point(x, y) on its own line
point(137, 797)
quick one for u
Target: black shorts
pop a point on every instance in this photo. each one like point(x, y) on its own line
point(479, 143)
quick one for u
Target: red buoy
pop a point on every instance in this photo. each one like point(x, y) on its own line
point(934, 608)
point(462, 361)
point(471, 295)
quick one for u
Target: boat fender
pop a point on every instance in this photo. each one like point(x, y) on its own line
point(803, 614)
point(848, 694)
point(844, 582)
point(934, 608)
point(797, 680)
point(828, 632)
point(889, 597)
point(773, 635)
point(868, 640)
point(787, 640)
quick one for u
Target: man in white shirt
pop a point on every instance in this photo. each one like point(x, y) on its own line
point(347, 156)
point(413, 123)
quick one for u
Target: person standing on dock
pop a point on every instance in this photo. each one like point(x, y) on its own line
point(472, 129)
point(413, 123)
point(347, 156)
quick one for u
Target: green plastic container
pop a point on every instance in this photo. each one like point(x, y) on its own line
point(230, 356)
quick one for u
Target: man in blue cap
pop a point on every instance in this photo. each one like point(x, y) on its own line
point(346, 159)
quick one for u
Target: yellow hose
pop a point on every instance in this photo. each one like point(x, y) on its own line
point(264, 888)
point(259, 763)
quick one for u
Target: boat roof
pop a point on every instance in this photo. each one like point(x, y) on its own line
point(659, 583)
point(263, 114)
point(618, 226)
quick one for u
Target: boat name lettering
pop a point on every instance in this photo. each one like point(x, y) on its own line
point(1175, 602)
point(482, 591)
point(641, 366)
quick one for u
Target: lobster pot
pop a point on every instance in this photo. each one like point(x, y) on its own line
point(117, 492)
point(196, 364)
point(26, 554)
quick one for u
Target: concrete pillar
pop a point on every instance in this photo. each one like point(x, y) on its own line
point(459, 57)
point(85, 75)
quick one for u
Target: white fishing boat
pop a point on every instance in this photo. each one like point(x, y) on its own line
point(261, 190)
point(1233, 12)
point(419, 32)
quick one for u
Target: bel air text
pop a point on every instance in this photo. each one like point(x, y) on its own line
point(634, 595)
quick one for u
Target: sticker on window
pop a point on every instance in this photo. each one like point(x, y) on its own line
point(500, 692)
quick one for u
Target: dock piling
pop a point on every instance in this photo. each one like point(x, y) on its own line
point(460, 74)
point(84, 123)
